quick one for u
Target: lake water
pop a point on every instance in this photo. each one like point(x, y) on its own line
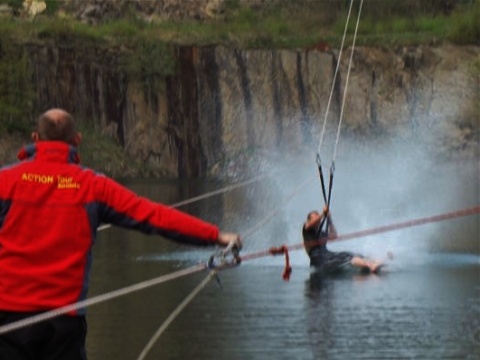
point(426, 305)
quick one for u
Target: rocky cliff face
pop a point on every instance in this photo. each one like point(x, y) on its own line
point(222, 102)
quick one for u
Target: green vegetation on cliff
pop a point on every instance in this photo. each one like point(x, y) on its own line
point(143, 51)
point(298, 23)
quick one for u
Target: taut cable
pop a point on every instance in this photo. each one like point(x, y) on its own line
point(200, 267)
point(334, 80)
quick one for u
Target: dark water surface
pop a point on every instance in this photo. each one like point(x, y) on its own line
point(426, 305)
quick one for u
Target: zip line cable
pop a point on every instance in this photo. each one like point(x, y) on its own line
point(175, 313)
point(380, 229)
point(327, 197)
point(272, 213)
point(327, 110)
point(207, 195)
point(99, 299)
point(334, 78)
point(346, 83)
point(200, 267)
point(213, 193)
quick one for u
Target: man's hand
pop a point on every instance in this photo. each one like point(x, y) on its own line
point(226, 238)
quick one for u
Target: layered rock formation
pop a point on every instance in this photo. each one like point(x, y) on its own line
point(221, 102)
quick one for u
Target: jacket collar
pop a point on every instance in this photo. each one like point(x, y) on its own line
point(51, 151)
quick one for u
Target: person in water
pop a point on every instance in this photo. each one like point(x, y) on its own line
point(315, 243)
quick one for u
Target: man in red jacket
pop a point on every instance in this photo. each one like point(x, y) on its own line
point(50, 208)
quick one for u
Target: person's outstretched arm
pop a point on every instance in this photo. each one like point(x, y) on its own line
point(122, 207)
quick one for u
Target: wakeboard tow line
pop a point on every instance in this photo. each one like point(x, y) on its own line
point(327, 196)
point(325, 220)
point(222, 259)
point(227, 265)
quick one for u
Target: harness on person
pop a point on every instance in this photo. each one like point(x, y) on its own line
point(325, 223)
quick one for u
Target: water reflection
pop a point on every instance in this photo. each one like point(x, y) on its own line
point(430, 312)
point(427, 306)
point(319, 313)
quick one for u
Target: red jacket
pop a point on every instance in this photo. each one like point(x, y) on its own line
point(50, 208)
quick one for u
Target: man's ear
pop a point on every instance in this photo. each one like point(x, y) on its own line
point(77, 140)
point(35, 136)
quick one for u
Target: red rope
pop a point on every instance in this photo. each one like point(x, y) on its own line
point(406, 224)
point(381, 229)
point(283, 250)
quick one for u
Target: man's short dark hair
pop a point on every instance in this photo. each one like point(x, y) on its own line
point(56, 125)
point(309, 215)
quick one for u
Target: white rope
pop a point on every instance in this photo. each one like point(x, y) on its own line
point(206, 195)
point(334, 77)
point(274, 211)
point(98, 299)
point(247, 233)
point(175, 313)
point(346, 83)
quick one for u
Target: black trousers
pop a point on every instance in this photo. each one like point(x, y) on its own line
point(331, 262)
point(60, 338)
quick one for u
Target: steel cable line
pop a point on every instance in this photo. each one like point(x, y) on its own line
point(328, 195)
point(98, 299)
point(207, 195)
point(200, 267)
point(337, 67)
point(334, 80)
point(175, 313)
point(381, 229)
point(223, 190)
point(346, 82)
